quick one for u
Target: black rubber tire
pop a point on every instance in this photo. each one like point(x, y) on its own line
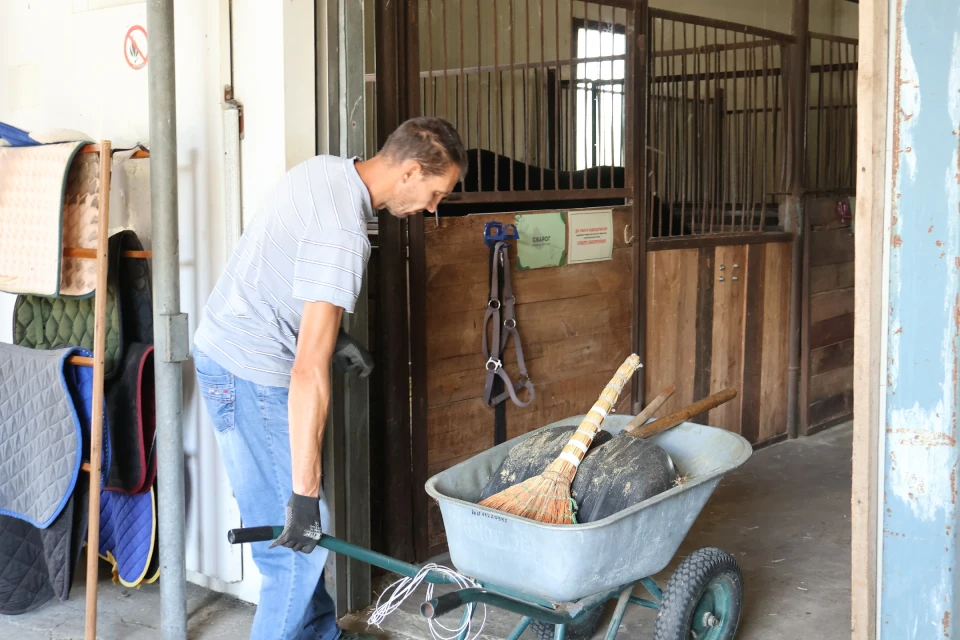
point(583, 630)
point(686, 589)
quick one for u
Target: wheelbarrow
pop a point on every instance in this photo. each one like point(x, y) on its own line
point(558, 577)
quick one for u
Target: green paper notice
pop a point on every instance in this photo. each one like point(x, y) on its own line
point(543, 240)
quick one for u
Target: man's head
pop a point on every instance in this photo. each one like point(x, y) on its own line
point(424, 159)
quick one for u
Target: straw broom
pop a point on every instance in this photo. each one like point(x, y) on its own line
point(546, 497)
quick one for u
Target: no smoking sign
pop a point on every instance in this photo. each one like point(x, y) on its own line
point(135, 47)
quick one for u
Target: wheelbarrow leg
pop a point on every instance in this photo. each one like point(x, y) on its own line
point(519, 629)
point(560, 633)
point(465, 620)
point(622, 603)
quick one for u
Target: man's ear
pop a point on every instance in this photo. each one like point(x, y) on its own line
point(411, 169)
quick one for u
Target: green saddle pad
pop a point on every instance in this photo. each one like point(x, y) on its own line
point(52, 323)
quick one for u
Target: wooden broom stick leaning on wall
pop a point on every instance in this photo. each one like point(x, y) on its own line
point(546, 497)
point(672, 420)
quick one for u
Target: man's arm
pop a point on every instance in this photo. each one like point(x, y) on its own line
point(309, 401)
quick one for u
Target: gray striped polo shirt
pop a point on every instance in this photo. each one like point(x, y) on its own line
point(308, 242)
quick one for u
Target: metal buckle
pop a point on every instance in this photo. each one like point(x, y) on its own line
point(491, 302)
point(497, 365)
point(510, 324)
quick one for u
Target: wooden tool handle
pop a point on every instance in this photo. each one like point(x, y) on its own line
point(651, 409)
point(672, 420)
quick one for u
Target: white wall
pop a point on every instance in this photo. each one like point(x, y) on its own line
point(62, 66)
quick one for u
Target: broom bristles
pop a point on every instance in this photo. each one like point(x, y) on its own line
point(545, 498)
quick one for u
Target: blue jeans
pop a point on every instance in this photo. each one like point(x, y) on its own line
point(252, 433)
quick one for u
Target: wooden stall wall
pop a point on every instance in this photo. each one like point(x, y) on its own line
point(827, 358)
point(718, 317)
point(574, 323)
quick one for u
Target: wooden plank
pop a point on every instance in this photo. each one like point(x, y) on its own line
point(728, 316)
point(822, 214)
point(463, 377)
point(831, 276)
point(462, 429)
point(706, 278)
point(831, 331)
point(465, 286)
point(829, 384)
point(562, 399)
point(831, 408)
point(752, 354)
point(672, 278)
point(831, 247)
point(717, 240)
point(460, 333)
point(832, 357)
point(458, 429)
point(776, 343)
point(873, 84)
point(459, 240)
point(830, 304)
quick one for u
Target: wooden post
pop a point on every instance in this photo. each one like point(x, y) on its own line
point(869, 332)
point(396, 501)
point(795, 77)
point(96, 420)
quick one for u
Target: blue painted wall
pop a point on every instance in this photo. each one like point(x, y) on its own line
point(919, 503)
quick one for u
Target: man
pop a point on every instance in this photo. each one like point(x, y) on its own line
point(269, 333)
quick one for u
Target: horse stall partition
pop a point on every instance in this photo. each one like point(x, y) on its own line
point(832, 114)
point(715, 126)
point(574, 322)
point(826, 376)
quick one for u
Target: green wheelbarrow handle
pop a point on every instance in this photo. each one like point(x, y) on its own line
point(245, 535)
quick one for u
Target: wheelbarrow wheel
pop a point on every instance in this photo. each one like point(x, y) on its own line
point(703, 598)
point(583, 630)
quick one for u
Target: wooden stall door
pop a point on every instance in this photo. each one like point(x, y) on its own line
point(718, 317)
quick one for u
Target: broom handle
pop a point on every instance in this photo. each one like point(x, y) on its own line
point(582, 438)
point(672, 420)
point(651, 408)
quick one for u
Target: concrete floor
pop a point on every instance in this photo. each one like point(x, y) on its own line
point(784, 515)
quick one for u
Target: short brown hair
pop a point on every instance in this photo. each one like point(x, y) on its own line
point(433, 142)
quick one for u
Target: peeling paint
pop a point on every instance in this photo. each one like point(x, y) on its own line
point(897, 240)
point(946, 624)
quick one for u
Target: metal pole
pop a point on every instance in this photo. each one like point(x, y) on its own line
point(170, 333)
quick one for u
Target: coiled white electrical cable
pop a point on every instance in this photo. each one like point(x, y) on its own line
point(394, 595)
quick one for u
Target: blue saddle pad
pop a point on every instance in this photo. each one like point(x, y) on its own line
point(128, 528)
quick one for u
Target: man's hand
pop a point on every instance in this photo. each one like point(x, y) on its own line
point(350, 356)
point(302, 529)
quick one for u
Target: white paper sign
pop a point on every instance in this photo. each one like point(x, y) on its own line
point(591, 236)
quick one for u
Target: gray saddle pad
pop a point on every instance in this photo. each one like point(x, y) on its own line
point(41, 440)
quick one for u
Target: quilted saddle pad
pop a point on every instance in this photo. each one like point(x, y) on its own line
point(40, 433)
point(81, 214)
point(33, 185)
point(131, 404)
point(37, 565)
point(50, 323)
point(128, 527)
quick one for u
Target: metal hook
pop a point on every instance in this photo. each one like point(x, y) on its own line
point(626, 229)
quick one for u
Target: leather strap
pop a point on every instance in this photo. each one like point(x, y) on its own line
point(503, 329)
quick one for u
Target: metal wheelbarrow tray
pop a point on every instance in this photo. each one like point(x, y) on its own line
point(565, 563)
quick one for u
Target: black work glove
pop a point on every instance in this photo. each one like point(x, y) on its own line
point(302, 530)
point(351, 357)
